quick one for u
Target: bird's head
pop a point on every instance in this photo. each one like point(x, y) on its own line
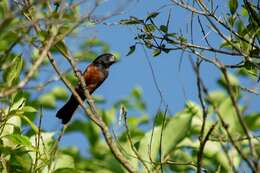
point(105, 60)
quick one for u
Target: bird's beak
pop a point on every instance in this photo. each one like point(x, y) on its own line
point(114, 60)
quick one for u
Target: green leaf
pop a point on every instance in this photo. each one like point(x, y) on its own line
point(233, 4)
point(12, 73)
point(229, 115)
point(18, 105)
point(64, 161)
point(182, 39)
point(3, 45)
point(134, 122)
point(12, 124)
point(248, 73)
point(131, 50)
point(150, 147)
point(88, 129)
point(109, 115)
point(152, 15)
point(233, 82)
point(193, 108)
point(131, 21)
point(45, 143)
point(171, 34)
point(33, 126)
point(19, 139)
point(232, 79)
point(42, 35)
point(216, 97)
point(175, 131)
point(137, 93)
point(225, 44)
point(244, 11)
point(47, 100)
point(253, 121)
point(60, 93)
point(61, 47)
point(156, 52)
point(164, 28)
point(72, 78)
point(21, 161)
point(149, 28)
point(232, 20)
point(6, 150)
point(68, 170)
point(29, 109)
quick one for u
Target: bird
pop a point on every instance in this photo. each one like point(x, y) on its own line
point(94, 75)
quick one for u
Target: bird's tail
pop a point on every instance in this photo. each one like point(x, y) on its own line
point(65, 113)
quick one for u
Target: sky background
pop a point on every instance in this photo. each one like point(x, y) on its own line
point(176, 79)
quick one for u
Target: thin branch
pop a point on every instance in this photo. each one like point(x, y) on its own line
point(228, 157)
point(201, 148)
point(161, 138)
point(225, 126)
point(238, 113)
point(37, 143)
point(124, 114)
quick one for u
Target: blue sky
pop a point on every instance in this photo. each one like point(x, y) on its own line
point(177, 84)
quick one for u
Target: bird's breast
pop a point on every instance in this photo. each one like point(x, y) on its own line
point(94, 76)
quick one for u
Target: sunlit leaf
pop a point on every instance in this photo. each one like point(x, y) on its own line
point(216, 97)
point(12, 73)
point(59, 93)
point(47, 100)
point(244, 11)
point(12, 123)
point(19, 139)
point(149, 145)
point(33, 126)
point(233, 82)
point(64, 161)
point(180, 124)
point(29, 109)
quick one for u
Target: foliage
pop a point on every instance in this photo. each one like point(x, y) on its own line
point(208, 135)
point(220, 115)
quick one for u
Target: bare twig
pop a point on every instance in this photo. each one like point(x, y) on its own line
point(37, 142)
point(228, 157)
point(161, 138)
point(124, 114)
point(201, 148)
point(238, 113)
point(225, 126)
